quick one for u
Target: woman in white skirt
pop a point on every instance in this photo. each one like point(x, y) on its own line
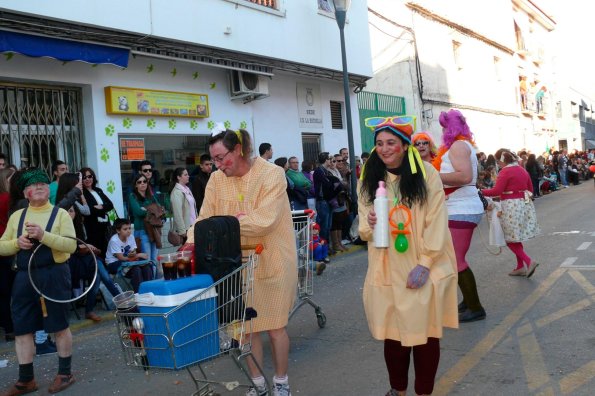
point(519, 221)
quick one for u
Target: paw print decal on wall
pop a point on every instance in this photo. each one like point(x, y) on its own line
point(211, 124)
point(213, 85)
point(172, 124)
point(104, 154)
point(127, 123)
point(151, 123)
point(110, 130)
point(227, 124)
point(243, 125)
point(193, 125)
point(111, 186)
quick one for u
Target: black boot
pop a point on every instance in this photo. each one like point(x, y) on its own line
point(468, 287)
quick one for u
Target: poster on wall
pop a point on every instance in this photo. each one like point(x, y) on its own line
point(132, 149)
point(137, 101)
point(309, 105)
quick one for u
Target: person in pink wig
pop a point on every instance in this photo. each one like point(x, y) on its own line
point(457, 163)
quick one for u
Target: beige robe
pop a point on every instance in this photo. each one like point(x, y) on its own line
point(392, 310)
point(261, 195)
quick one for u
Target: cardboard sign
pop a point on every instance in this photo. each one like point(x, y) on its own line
point(132, 149)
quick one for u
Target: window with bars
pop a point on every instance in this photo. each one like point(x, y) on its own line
point(39, 125)
point(336, 115)
point(266, 3)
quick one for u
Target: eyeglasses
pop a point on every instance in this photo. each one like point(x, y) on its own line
point(220, 158)
point(422, 143)
point(338, 161)
point(87, 177)
point(146, 170)
point(141, 181)
point(333, 161)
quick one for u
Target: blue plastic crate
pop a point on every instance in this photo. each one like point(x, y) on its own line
point(192, 335)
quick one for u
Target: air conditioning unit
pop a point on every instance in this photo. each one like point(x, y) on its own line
point(247, 86)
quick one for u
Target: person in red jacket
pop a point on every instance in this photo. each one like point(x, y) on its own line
point(519, 221)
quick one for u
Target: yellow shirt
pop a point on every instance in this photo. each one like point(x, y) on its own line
point(261, 195)
point(392, 310)
point(55, 239)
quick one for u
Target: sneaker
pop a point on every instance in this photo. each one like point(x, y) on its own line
point(61, 382)
point(518, 272)
point(345, 242)
point(281, 390)
point(258, 391)
point(327, 260)
point(48, 347)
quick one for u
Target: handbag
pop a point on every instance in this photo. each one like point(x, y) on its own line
point(173, 237)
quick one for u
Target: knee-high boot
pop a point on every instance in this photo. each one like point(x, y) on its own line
point(468, 288)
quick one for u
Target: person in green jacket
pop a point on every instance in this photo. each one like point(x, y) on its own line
point(301, 185)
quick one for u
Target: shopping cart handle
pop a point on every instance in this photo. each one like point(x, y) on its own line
point(258, 248)
point(308, 212)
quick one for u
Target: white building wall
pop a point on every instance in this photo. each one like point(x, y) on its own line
point(273, 119)
point(298, 32)
point(482, 80)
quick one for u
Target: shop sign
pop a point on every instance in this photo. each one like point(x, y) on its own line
point(136, 101)
point(132, 149)
point(309, 106)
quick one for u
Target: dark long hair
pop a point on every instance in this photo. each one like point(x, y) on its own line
point(16, 194)
point(174, 177)
point(139, 197)
point(412, 186)
point(65, 184)
point(230, 139)
point(92, 172)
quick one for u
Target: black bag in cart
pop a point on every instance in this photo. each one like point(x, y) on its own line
point(218, 252)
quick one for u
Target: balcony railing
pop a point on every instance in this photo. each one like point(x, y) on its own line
point(266, 3)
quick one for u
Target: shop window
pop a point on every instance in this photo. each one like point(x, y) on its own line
point(336, 115)
point(559, 109)
point(166, 153)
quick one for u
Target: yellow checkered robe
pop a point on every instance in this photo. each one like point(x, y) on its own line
point(261, 195)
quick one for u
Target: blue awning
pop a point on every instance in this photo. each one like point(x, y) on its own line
point(64, 50)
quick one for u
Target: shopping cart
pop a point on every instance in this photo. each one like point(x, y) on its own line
point(302, 226)
point(211, 322)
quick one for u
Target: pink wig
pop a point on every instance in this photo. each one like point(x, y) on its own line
point(454, 125)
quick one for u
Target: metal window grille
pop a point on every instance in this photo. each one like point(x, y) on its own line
point(266, 3)
point(311, 147)
point(336, 115)
point(40, 124)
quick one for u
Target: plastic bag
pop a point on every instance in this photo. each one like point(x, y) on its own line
point(354, 230)
point(496, 232)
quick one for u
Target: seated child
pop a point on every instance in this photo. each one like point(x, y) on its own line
point(319, 249)
point(122, 249)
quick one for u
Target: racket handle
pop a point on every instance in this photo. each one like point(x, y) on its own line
point(44, 309)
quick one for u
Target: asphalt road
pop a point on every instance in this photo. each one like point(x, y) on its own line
point(538, 338)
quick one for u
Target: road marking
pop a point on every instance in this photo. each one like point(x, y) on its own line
point(458, 371)
point(569, 310)
point(535, 370)
point(567, 232)
point(568, 262)
point(578, 378)
point(582, 282)
point(584, 246)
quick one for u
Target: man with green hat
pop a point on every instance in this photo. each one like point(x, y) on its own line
point(46, 228)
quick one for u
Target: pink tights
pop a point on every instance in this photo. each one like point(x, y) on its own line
point(521, 256)
point(461, 233)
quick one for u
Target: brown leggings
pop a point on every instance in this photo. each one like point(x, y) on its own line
point(425, 362)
